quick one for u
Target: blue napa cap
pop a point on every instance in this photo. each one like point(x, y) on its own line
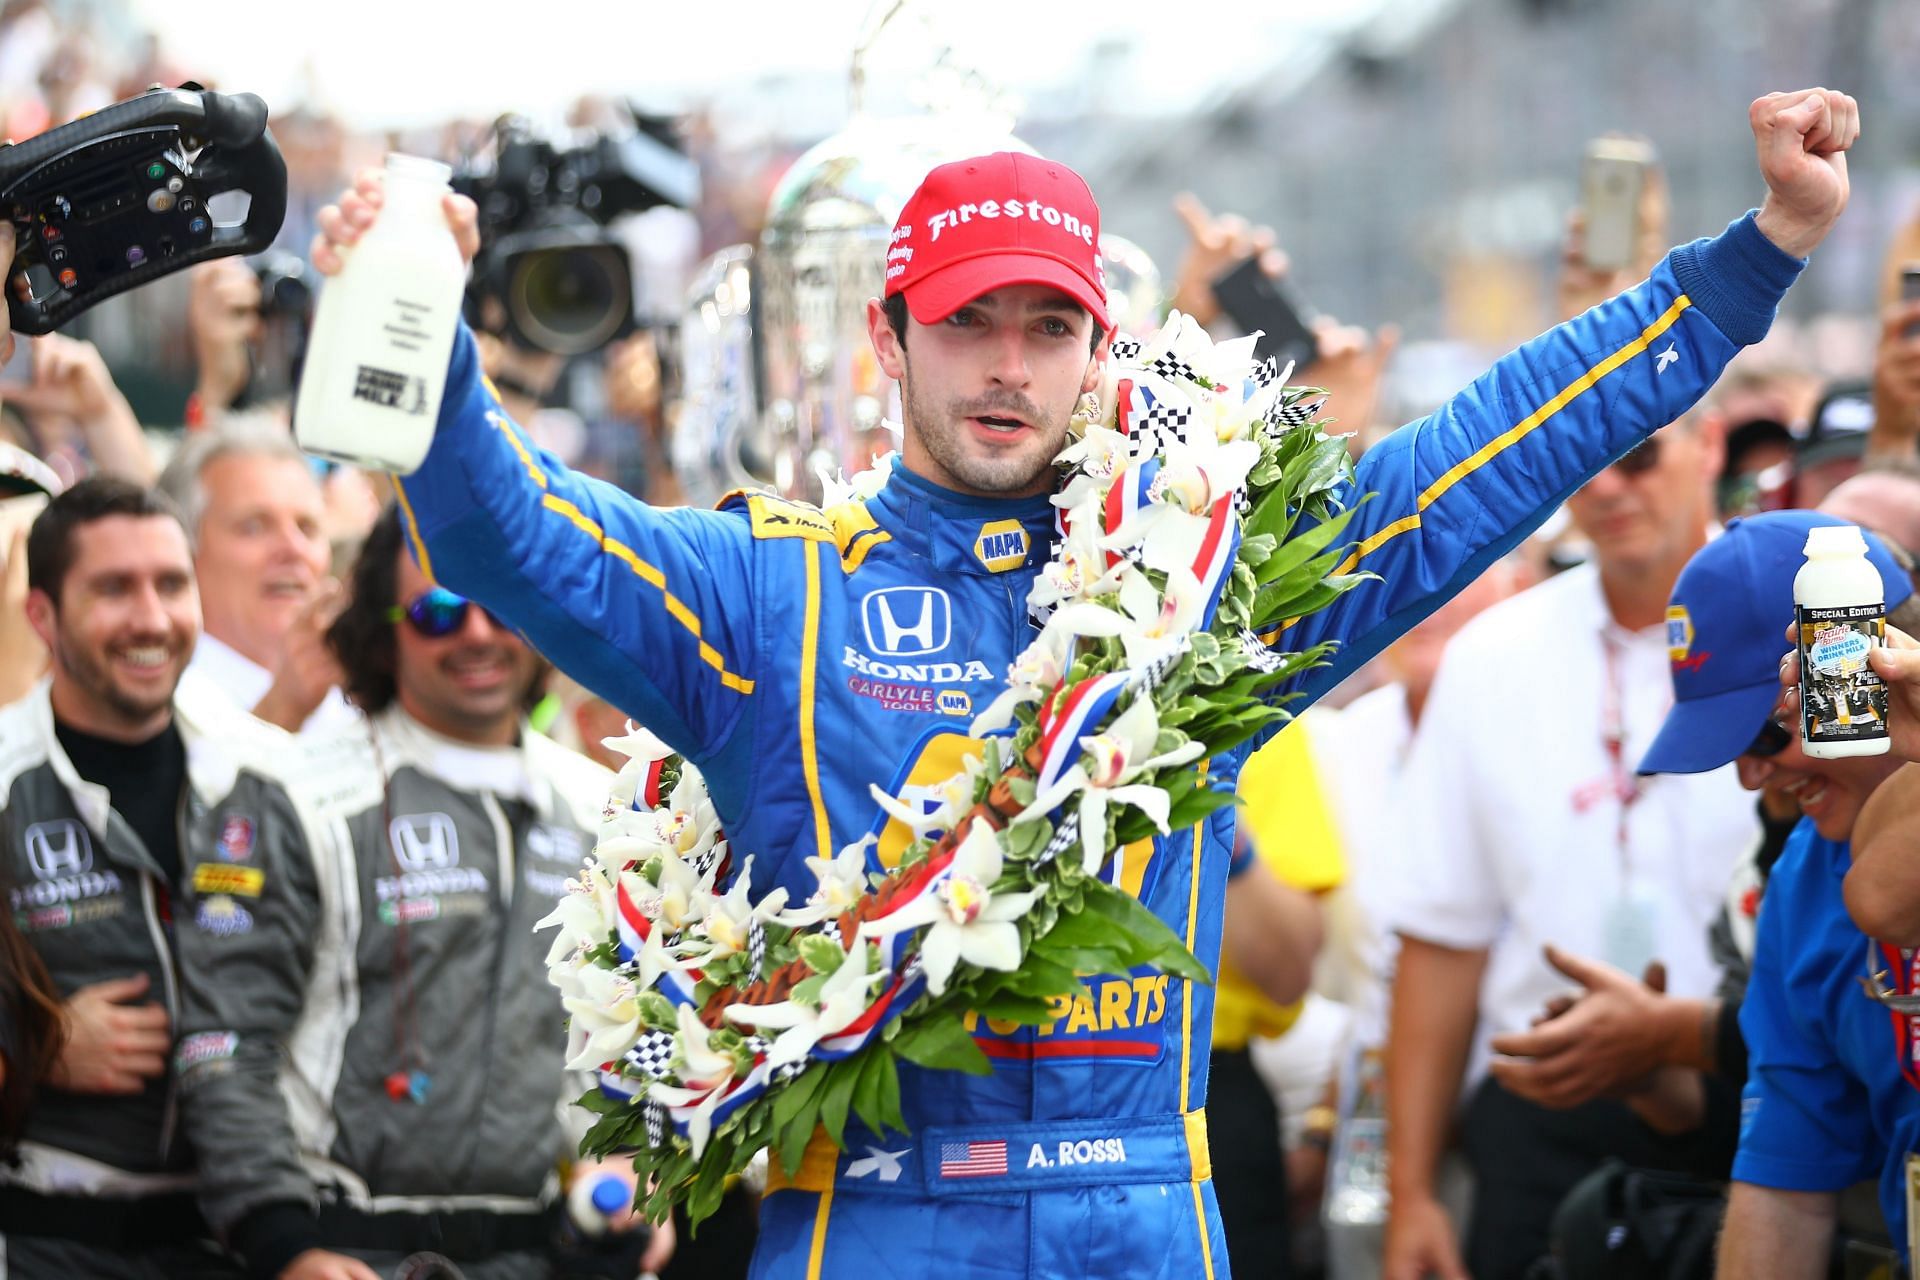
point(1726, 629)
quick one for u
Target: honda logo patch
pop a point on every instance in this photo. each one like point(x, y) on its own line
point(904, 622)
point(59, 849)
point(425, 842)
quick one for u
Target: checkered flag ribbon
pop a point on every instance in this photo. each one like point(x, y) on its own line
point(1126, 348)
point(656, 1124)
point(1065, 837)
point(709, 859)
point(651, 1056)
point(788, 1070)
point(1298, 414)
point(1162, 425)
point(831, 929)
point(756, 947)
point(1169, 365)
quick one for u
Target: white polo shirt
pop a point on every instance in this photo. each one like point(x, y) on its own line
point(1521, 827)
point(222, 670)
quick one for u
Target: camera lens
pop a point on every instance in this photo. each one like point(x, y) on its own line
point(569, 299)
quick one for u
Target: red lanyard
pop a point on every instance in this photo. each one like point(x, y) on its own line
point(1613, 739)
point(1900, 969)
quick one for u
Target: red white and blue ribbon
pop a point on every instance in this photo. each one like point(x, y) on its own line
point(1076, 716)
point(1213, 565)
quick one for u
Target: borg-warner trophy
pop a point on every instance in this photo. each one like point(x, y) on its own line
point(780, 380)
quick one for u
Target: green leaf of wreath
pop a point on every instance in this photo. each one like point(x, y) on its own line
point(942, 1043)
point(837, 1097)
point(1170, 954)
point(1004, 1006)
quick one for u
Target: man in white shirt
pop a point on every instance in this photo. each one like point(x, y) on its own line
point(1525, 825)
point(257, 519)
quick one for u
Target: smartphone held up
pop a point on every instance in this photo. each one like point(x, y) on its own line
point(1614, 181)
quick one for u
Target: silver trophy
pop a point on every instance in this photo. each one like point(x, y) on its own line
point(780, 380)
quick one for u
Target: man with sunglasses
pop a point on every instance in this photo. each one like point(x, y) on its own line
point(1533, 834)
point(371, 1065)
point(800, 657)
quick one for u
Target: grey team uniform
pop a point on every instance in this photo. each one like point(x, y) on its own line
point(391, 931)
point(95, 905)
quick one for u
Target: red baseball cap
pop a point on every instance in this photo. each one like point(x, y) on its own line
point(977, 225)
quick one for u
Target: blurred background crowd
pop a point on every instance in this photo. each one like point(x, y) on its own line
point(1407, 175)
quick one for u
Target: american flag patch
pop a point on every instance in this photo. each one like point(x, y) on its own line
point(973, 1159)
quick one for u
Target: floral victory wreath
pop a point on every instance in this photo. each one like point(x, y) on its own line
point(1203, 514)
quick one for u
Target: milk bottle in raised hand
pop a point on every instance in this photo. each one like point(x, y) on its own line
point(376, 363)
point(1840, 612)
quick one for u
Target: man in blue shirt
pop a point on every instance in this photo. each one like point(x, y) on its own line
point(1832, 1095)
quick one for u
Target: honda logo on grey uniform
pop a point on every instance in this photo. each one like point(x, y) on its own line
point(57, 849)
point(425, 841)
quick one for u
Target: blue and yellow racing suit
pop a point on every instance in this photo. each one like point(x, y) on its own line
point(799, 655)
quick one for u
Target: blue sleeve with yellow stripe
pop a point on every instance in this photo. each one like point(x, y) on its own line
point(1455, 491)
point(642, 606)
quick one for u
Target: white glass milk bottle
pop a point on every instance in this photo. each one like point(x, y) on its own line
point(383, 331)
point(1840, 614)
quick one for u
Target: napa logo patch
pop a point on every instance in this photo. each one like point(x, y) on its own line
point(954, 702)
point(1002, 545)
point(1679, 633)
point(1112, 1018)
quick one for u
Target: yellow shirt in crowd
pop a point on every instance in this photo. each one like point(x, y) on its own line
point(1284, 808)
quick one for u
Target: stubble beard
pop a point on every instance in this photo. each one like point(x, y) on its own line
point(1012, 472)
point(90, 673)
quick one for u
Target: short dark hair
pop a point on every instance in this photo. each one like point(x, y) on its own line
point(361, 637)
point(895, 305)
point(50, 541)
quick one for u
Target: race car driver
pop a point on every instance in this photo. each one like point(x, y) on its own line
point(799, 655)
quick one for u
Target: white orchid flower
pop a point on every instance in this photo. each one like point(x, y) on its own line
point(1079, 569)
point(1034, 674)
point(954, 796)
point(655, 960)
point(1224, 364)
point(585, 913)
point(729, 919)
point(1150, 623)
point(1096, 458)
point(844, 996)
point(685, 895)
point(704, 1072)
point(837, 488)
point(843, 882)
point(1113, 759)
point(642, 749)
point(965, 919)
point(606, 1016)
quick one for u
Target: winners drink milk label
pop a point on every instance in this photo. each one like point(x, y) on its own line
point(1842, 698)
